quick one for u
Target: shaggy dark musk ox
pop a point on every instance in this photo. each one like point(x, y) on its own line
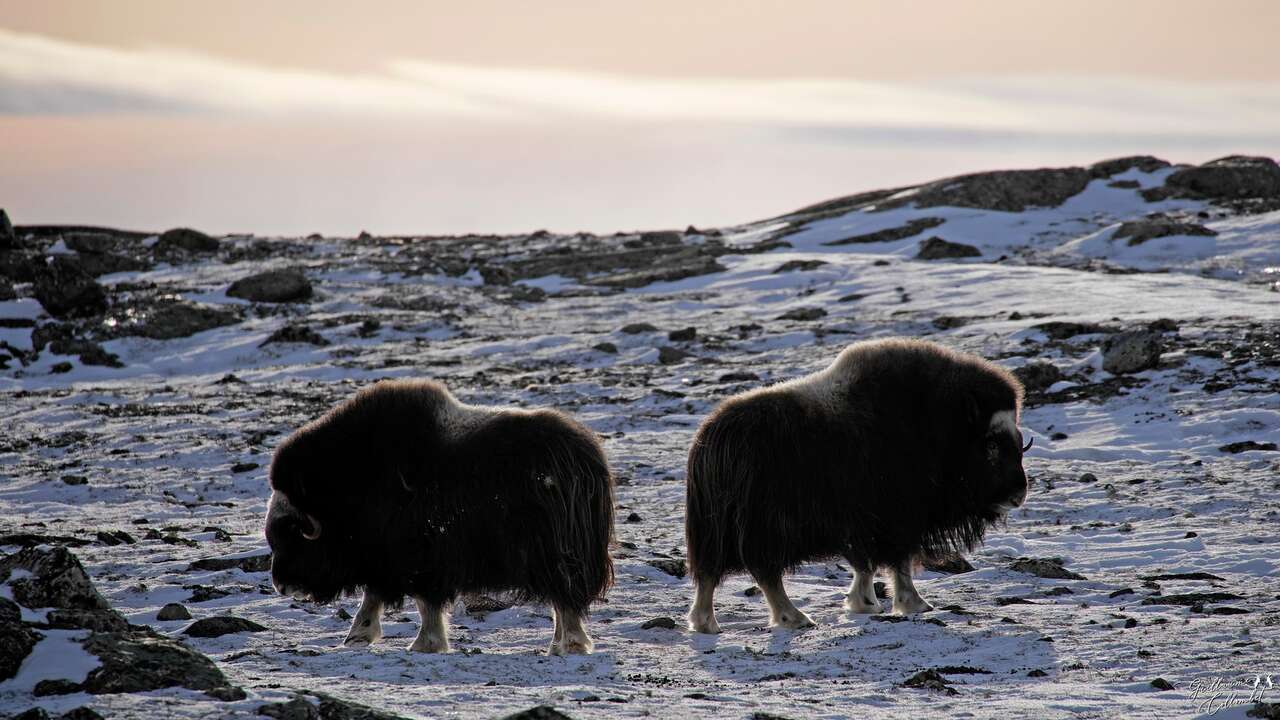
point(404, 491)
point(900, 450)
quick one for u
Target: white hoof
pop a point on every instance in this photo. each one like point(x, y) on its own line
point(363, 637)
point(911, 606)
point(704, 623)
point(861, 606)
point(572, 646)
point(430, 645)
point(793, 620)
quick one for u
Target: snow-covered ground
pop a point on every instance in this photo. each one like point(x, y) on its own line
point(158, 438)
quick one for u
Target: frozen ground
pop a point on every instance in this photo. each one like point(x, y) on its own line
point(178, 440)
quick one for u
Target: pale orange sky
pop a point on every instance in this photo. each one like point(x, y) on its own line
point(1179, 39)
point(287, 117)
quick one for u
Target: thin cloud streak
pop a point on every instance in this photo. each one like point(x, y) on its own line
point(40, 75)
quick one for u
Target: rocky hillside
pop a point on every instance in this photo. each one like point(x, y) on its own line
point(147, 377)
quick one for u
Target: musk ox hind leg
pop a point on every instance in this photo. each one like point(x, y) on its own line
point(702, 614)
point(569, 636)
point(433, 635)
point(366, 628)
point(906, 601)
point(782, 612)
point(861, 598)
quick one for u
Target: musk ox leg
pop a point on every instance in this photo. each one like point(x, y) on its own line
point(366, 628)
point(569, 637)
point(862, 595)
point(782, 612)
point(702, 614)
point(433, 636)
point(906, 600)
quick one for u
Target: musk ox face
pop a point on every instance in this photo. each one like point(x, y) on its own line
point(997, 461)
point(306, 555)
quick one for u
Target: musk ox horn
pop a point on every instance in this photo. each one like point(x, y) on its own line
point(314, 532)
point(1028, 445)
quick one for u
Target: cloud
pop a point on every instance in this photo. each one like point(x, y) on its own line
point(44, 75)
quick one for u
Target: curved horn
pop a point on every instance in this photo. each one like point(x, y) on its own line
point(1028, 445)
point(314, 533)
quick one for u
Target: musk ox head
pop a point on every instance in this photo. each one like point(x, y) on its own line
point(998, 462)
point(338, 483)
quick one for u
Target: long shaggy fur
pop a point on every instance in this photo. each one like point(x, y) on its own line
point(878, 459)
point(419, 495)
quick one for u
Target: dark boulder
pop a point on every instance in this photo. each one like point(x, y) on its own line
point(1038, 376)
point(221, 625)
point(274, 286)
point(169, 318)
point(935, 248)
point(295, 334)
point(1131, 351)
point(16, 642)
point(185, 239)
point(8, 238)
point(1115, 166)
point(173, 611)
point(913, 227)
point(56, 579)
point(1005, 190)
point(141, 660)
point(64, 289)
point(1044, 568)
point(1229, 178)
point(1140, 231)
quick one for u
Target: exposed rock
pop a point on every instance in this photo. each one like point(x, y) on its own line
point(682, 335)
point(954, 565)
point(64, 289)
point(606, 347)
point(1236, 177)
point(1131, 351)
point(97, 620)
point(738, 376)
point(6, 290)
point(274, 286)
point(221, 625)
point(90, 241)
point(637, 328)
point(913, 227)
point(45, 688)
point(299, 708)
point(169, 318)
point(1006, 190)
point(295, 334)
point(250, 564)
point(1045, 568)
point(671, 566)
point(1115, 166)
point(1059, 330)
point(803, 314)
point(186, 239)
point(1161, 684)
point(949, 322)
point(935, 248)
point(173, 611)
point(1246, 446)
point(1140, 231)
point(689, 263)
point(56, 580)
point(668, 355)
point(96, 264)
point(61, 339)
point(799, 265)
point(929, 680)
point(141, 660)
point(664, 623)
point(16, 642)
point(1038, 376)
point(8, 238)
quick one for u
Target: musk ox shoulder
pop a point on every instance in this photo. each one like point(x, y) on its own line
point(404, 491)
point(899, 450)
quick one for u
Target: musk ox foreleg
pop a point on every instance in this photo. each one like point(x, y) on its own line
point(782, 612)
point(433, 635)
point(906, 601)
point(702, 614)
point(862, 595)
point(366, 628)
point(569, 636)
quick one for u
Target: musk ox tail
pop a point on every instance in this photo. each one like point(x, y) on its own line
point(577, 487)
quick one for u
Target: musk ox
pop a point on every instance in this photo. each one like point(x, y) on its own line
point(404, 491)
point(900, 450)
